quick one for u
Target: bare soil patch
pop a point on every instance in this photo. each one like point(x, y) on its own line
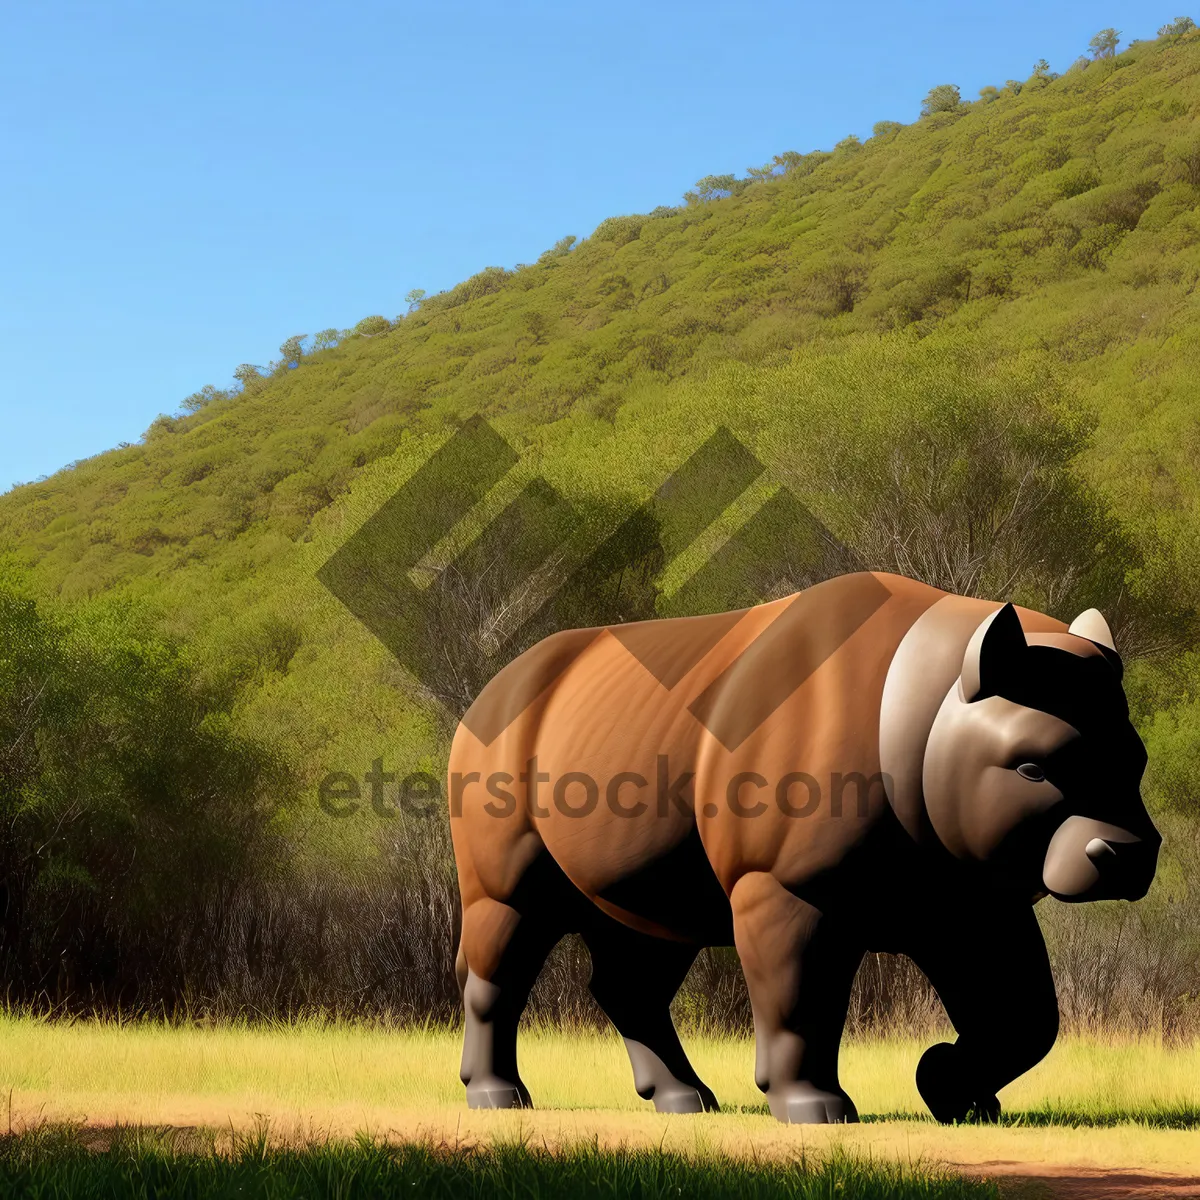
point(1044, 1181)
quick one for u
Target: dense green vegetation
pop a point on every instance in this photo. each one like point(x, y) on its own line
point(969, 346)
point(125, 793)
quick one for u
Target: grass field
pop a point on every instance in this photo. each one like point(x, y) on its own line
point(62, 1163)
point(1092, 1109)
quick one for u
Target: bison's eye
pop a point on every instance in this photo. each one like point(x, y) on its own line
point(1032, 772)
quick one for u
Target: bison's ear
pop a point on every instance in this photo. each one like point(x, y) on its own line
point(1091, 625)
point(995, 655)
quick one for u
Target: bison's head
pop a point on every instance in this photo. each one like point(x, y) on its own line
point(1032, 767)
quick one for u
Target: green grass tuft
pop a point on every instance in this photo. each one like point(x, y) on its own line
point(60, 1162)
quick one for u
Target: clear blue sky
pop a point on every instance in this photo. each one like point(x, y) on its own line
point(185, 185)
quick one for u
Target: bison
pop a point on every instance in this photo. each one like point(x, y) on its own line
point(868, 765)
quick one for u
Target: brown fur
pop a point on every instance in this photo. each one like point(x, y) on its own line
point(849, 684)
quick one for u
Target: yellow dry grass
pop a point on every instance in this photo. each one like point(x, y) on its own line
point(313, 1079)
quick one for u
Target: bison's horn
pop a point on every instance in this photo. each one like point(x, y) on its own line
point(1094, 627)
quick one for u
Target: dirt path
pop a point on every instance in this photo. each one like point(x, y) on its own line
point(1041, 1181)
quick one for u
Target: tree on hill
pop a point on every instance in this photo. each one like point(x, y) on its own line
point(885, 128)
point(836, 281)
point(943, 98)
point(370, 326)
point(1104, 44)
point(761, 174)
point(249, 376)
point(292, 351)
point(563, 246)
point(780, 164)
point(326, 339)
point(414, 298)
point(989, 93)
point(1177, 27)
point(537, 325)
point(201, 399)
point(715, 187)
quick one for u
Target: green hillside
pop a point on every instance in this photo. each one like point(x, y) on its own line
point(970, 346)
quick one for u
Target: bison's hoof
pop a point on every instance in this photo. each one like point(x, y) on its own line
point(496, 1093)
point(804, 1104)
point(951, 1098)
point(684, 1099)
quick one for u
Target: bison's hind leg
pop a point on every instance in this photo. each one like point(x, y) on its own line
point(634, 979)
point(504, 946)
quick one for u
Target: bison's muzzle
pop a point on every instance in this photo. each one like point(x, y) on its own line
point(1092, 860)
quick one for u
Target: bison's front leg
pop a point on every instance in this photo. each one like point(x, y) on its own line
point(988, 963)
point(799, 968)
